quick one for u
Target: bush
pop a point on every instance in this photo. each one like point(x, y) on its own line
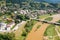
point(7, 36)
point(27, 28)
point(24, 33)
point(1, 14)
point(29, 25)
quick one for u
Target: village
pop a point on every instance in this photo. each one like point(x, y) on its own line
point(27, 20)
point(30, 14)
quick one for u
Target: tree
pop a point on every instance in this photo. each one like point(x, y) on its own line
point(1, 14)
point(7, 36)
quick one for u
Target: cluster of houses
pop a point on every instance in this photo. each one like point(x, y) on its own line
point(6, 27)
point(35, 13)
point(28, 13)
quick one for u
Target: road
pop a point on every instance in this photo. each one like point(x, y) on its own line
point(18, 32)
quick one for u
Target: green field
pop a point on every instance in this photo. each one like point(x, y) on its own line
point(58, 21)
point(44, 16)
point(50, 31)
point(49, 18)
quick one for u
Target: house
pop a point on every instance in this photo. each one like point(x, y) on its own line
point(50, 10)
point(2, 26)
point(41, 12)
point(15, 12)
point(58, 10)
point(6, 27)
point(10, 25)
point(23, 11)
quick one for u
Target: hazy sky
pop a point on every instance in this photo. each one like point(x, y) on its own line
point(51, 1)
point(55, 1)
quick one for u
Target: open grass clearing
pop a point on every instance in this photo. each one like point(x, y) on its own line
point(46, 15)
point(49, 18)
point(57, 38)
point(19, 31)
point(50, 31)
point(58, 21)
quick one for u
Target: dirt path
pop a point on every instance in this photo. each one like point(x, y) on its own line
point(56, 29)
point(38, 35)
point(19, 31)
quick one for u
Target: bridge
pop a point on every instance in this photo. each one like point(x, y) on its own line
point(45, 21)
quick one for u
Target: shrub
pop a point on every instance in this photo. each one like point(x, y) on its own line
point(7, 36)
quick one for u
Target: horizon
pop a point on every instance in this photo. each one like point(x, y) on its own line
point(50, 1)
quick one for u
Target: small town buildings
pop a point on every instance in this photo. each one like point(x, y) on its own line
point(2, 26)
point(6, 27)
point(10, 25)
point(23, 11)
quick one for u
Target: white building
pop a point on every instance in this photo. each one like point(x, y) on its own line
point(23, 11)
point(10, 25)
point(6, 27)
point(2, 26)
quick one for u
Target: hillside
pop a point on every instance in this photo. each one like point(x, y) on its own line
point(34, 4)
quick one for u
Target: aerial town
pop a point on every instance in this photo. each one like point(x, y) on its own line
point(29, 20)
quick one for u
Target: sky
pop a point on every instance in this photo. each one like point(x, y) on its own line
point(53, 1)
point(50, 1)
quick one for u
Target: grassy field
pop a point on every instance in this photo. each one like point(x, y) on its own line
point(50, 31)
point(19, 31)
point(49, 18)
point(58, 21)
point(57, 38)
point(44, 16)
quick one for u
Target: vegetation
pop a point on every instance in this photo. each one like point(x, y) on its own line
point(31, 4)
point(7, 36)
point(58, 21)
point(22, 17)
point(13, 26)
point(27, 28)
point(1, 14)
point(38, 27)
point(49, 18)
point(50, 31)
point(44, 16)
point(57, 38)
point(29, 25)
